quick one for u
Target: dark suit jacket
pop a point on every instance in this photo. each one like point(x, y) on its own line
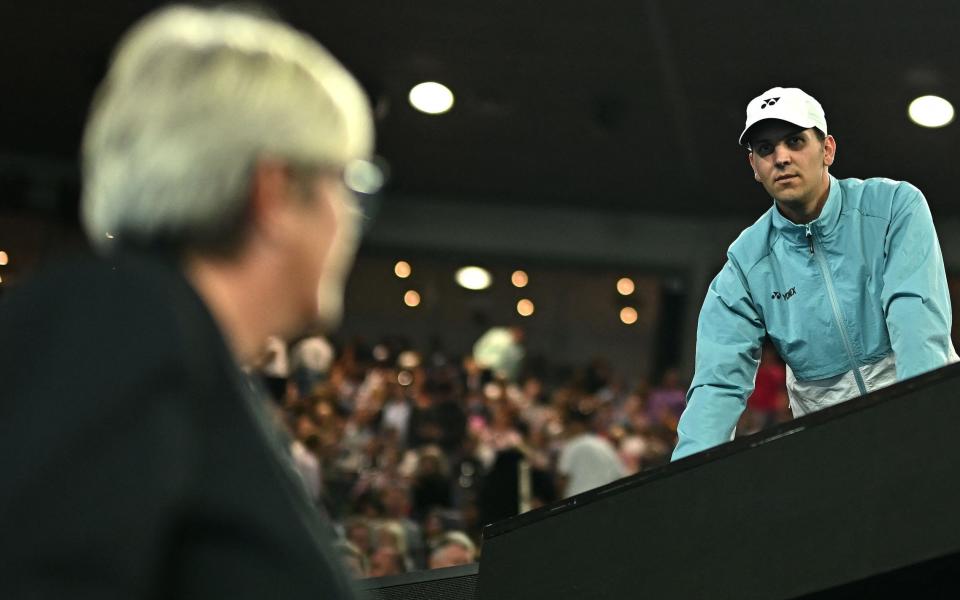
point(135, 460)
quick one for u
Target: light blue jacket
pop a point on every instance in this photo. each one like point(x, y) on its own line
point(862, 281)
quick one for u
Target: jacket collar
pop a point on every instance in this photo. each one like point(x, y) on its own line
point(822, 226)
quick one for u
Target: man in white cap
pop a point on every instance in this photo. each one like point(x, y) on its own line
point(845, 276)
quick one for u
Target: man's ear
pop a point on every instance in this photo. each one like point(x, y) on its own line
point(756, 175)
point(269, 194)
point(829, 150)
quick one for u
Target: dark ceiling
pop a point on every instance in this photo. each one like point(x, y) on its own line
point(605, 104)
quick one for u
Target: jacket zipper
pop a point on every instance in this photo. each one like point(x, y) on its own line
point(825, 271)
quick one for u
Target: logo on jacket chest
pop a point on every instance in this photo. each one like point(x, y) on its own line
point(784, 295)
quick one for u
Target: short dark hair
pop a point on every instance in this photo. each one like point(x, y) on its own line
point(816, 131)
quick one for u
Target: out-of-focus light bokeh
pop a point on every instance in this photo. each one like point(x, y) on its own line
point(625, 286)
point(411, 298)
point(931, 111)
point(4, 259)
point(628, 315)
point(402, 269)
point(525, 307)
point(474, 278)
point(408, 359)
point(363, 177)
point(431, 97)
point(519, 279)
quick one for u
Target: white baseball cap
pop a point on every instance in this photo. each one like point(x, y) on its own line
point(792, 105)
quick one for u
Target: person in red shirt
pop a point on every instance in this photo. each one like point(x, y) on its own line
point(768, 403)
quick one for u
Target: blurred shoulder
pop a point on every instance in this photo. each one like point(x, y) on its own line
point(88, 303)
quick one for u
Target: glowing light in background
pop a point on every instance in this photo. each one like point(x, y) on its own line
point(625, 286)
point(525, 307)
point(402, 269)
point(411, 298)
point(381, 352)
point(474, 278)
point(930, 111)
point(408, 359)
point(363, 176)
point(431, 97)
point(404, 378)
point(519, 279)
point(4, 259)
point(628, 315)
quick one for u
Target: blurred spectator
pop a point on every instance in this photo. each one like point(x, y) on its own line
point(386, 561)
point(431, 485)
point(310, 361)
point(275, 367)
point(500, 350)
point(308, 467)
point(397, 505)
point(587, 460)
point(455, 550)
point(596, 376)
point(437, 418)
point(397, 409)
point(360, 534)
point(768, 404)
point(355, 560)
point(667, 401)
point(499, 495)
point(392, 534)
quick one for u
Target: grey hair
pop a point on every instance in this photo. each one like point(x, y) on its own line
point(193, 98)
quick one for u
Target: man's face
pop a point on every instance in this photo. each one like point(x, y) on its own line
point(791, 163)
point(327, 238)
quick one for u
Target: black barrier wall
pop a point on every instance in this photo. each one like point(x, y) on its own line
point(838, 497)
point(451, 583)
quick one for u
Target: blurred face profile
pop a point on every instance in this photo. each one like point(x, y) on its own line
point(323, 249)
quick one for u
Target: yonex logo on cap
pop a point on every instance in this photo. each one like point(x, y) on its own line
point(792, 105)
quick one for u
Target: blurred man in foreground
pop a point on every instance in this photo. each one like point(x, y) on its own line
point(144, 465)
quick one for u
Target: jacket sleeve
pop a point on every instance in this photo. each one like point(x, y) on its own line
point(915, 296)
point(729, 337)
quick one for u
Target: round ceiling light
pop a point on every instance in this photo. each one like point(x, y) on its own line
point(402, 269)
point(412, 298)
point(519, 279)
point(525, 307)
point(474, 278)
point(930, 111)
point(431, 97)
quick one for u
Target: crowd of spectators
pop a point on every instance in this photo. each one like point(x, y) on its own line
point(411, 453)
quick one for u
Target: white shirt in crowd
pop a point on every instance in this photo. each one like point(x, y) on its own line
point(589, 461)
point(312, 353)
point(308, 467)
point(277, 364)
